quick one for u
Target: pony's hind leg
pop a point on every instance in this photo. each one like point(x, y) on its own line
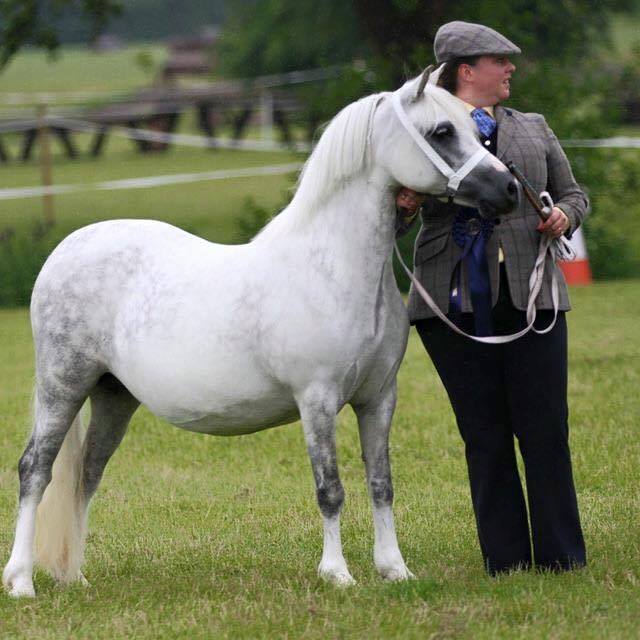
point(61, 526)
point(111, 409)
point(52, 420)
point(61, 514)
point(318, 415)
point(61, 532)
point(374, 422)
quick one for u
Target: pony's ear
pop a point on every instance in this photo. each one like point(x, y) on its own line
point(424, 78)
point(435, 75)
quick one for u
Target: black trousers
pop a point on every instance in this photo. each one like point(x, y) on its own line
point(498, 391)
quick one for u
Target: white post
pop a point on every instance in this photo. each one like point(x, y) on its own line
point(266, 116)
point(45, 164)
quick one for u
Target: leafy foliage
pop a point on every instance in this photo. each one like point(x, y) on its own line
point(267, 36)
point(612, 229)
point(273, 36)
point(22, 254)
point(34, 22)
point(252, 220)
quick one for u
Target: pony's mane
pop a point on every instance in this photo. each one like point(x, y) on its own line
point(343, 152)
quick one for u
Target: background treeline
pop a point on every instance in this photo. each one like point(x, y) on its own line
point(78, 21)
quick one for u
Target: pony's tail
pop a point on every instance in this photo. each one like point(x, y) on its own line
point(61, 520)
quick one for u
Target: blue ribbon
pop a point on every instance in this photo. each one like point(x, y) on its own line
point(470, 232)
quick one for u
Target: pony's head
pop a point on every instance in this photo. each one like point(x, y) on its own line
point(443, 122)
point(369, 135)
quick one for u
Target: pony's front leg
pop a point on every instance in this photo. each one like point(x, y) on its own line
point(374, 422)
point(318, 415)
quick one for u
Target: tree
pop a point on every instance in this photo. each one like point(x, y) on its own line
point(267, 36)
point(34, 22)
point(556, 72)
point(273, 36)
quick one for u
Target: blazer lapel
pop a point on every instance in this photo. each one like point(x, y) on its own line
point(506, 126)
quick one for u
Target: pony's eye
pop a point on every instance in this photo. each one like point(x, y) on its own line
point(443, 130)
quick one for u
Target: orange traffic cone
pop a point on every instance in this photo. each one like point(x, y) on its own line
point(578, 271)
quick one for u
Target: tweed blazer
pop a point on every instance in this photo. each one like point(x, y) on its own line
point(527, 140)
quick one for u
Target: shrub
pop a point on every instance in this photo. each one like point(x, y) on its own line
point(612, 231)
point(22, 254)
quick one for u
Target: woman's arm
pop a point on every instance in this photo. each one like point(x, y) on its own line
point(566, 192)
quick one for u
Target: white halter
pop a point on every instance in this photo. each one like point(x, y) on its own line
point(455, 177)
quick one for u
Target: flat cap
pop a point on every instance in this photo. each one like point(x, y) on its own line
point(459, 39)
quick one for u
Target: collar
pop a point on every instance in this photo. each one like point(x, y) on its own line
point(470, 108)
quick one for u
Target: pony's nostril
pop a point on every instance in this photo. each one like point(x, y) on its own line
point(512, 188)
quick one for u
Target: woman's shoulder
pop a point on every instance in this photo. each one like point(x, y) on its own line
point(524, 118)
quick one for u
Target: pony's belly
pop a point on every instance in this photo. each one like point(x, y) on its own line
point(236, 421)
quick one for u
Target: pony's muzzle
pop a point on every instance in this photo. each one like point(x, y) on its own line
point(495, 192)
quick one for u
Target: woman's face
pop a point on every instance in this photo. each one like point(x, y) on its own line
point(488, 80)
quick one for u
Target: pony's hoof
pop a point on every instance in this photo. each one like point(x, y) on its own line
point(18, 586)
point(22, 591)
point(396, 574)
point(337, 577)
point(79, 579)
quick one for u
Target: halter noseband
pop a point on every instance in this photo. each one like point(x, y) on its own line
point(454, 177)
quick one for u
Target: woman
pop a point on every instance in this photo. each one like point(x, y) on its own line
point(520, 388)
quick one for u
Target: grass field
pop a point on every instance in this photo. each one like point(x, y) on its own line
point(207, 208)
point(200, 537)
point(79, 69)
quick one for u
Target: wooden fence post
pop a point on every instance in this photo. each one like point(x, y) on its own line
point(45, 165)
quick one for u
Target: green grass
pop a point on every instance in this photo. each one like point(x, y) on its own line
point(207, 208)
point(79, 69)
point(193, 536)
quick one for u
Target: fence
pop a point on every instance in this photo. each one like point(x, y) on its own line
point(57, 123)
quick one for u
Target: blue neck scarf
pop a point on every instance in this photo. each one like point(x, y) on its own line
point(485, 123)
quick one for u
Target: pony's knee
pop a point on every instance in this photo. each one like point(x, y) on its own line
point(330, 494)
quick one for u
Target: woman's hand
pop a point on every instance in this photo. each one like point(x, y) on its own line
point(409, 200)
point(556, 224)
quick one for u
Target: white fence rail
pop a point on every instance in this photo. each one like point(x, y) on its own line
point(204, 142)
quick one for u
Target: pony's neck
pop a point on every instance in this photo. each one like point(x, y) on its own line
point(349, 235)
point(349, 239)
point(358, 219)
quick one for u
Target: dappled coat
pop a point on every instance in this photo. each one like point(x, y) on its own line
point(526, 140)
